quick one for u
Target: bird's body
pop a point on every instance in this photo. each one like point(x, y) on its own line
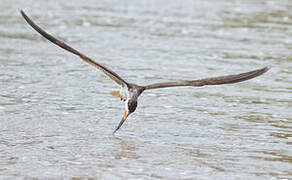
point(129, 93)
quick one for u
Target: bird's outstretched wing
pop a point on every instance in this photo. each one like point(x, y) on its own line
point(63, 45)
point(212, 81)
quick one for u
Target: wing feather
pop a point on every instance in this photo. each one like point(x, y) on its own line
point(115, 77)
point(212, 81)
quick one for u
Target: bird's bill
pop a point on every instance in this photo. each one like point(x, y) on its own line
point(121, 122)
point(125, 115)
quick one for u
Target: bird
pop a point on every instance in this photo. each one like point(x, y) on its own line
point(130, 92)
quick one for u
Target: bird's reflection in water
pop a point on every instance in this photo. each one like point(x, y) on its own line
point(126, 149)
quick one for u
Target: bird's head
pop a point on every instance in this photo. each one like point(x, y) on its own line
point(130, 107)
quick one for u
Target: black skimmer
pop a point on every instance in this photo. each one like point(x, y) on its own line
point(130, 92)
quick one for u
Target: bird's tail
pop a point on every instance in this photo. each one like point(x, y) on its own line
point(115, 94)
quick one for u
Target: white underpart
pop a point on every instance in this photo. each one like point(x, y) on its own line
point(126, 106)
point(124, 93)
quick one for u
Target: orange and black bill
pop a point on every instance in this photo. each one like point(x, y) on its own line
point(121, 122)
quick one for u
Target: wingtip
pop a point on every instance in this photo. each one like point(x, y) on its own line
point(22, 13)
point(267, 68)
point(261, 71)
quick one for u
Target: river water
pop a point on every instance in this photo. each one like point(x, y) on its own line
point(56, 116)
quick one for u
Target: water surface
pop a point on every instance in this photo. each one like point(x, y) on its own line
point(56, 116)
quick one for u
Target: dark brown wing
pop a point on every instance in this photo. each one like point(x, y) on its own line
point(61, 44)
point(212, 81)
